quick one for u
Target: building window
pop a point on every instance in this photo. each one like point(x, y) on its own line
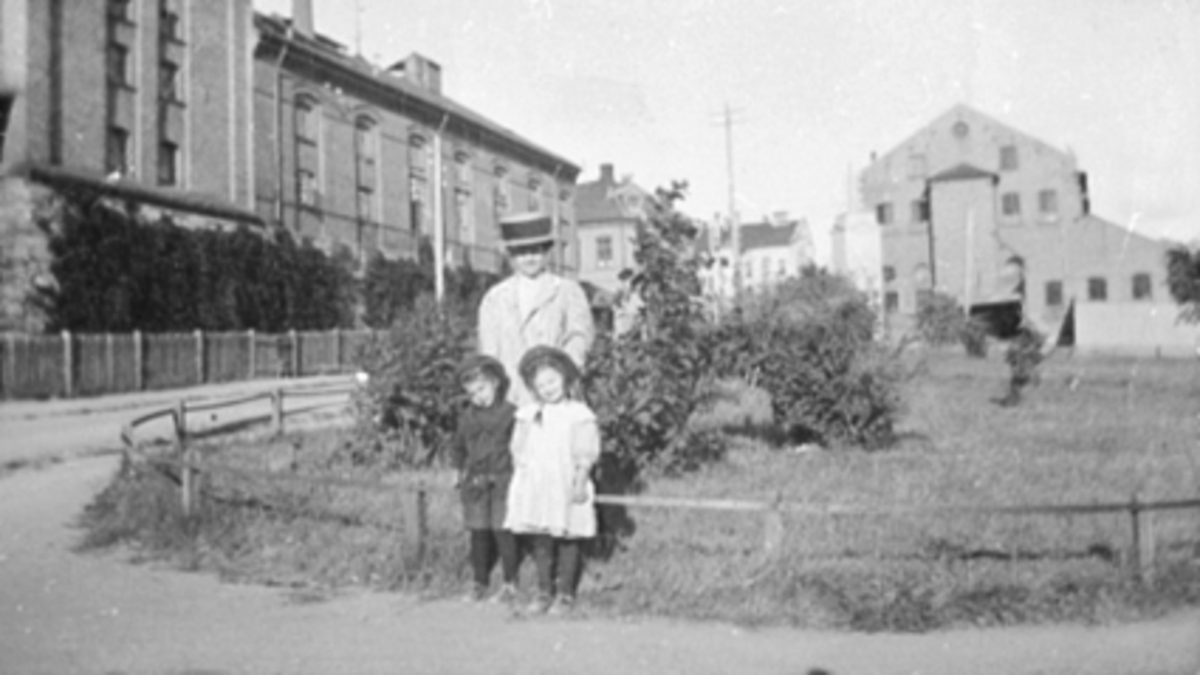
point(116, 152)
point(1141, 287)
point(5, 107)
point(168, 20)
point(118, 10)
point(604, 251)
point(365, 140)
point(883, 213)
point(500, 192)
point(748, 270)
point(308, 121)
point(117, 65)
point(168, 82)
point(1008, 158)
point(418, 209)
point(1054, 294)
point(535, 193)
point(168, 163)
point(366, 203)
point(918, 211)
point(891, 301)
point(1048, 202)
point(418, 156)
point(781, 268)
point(308, 187)
point(916, 167)
point(465, 215)
point(1010, 204)
point(1097, 289)
point(889, 274)
point(462, 170)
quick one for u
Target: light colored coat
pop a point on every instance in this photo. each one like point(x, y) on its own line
point(560, 317)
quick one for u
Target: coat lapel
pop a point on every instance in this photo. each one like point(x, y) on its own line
point(547, 290)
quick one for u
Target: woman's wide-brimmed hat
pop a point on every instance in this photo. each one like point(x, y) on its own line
point(543, 355)
point(526, 230)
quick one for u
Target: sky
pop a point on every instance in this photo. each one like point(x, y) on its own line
point(813, 87)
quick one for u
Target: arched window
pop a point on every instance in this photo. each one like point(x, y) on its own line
point(308, 151)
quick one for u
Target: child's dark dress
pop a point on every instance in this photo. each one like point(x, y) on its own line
point(481, 451)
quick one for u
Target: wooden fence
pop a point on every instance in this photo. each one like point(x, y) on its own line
point(69, 365)
point(1139, 557)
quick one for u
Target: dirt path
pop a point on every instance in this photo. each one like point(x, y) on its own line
point(61, 612)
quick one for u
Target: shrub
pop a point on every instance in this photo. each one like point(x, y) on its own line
point(1183, 280)
point(812, 348)
point(407, 408)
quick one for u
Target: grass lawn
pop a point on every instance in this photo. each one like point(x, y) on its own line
point(1093, 430)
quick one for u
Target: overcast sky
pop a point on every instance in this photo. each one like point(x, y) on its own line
point(815, 86)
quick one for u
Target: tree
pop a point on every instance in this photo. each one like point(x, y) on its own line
point(1183, 280)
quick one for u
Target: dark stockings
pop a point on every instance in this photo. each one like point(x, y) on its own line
point(486, 547)
point(568, 564)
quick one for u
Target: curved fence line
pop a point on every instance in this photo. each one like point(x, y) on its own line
point(1140, 554)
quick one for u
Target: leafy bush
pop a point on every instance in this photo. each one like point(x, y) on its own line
point(812, 348)
point(941, 321)
point(407, 408)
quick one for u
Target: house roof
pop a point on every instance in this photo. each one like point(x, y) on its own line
point(321, 51)
point(604, 200)
point(181, 200)
point(962, 171)
point(768, 235)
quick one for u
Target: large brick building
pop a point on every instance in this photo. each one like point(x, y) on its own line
point(971, 207)
point(348, 151)
point(218, 116)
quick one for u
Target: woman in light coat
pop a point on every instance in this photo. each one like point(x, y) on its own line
point(533, 306)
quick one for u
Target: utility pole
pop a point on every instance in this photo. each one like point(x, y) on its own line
point(734, 221)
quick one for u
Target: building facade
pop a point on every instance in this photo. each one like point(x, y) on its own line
point(141, 101)
point(856, 252)
point(970, 207)
point(770, 251)
point(609, 211)
point(217, 116)
point(351, 154)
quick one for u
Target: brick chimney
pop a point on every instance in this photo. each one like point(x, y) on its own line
point(302, 17)
point(606, 173)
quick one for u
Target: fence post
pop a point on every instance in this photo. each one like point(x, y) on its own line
point(1141, 550)
point(295, 355)
point(68, 366)
point(184, 454)
point(251, 351)
point(10, 381)
point(139, 366)
point(337, 350)
point(199, 356)
point(110, 358)
point(277, 412)
point(415, 528)
point(773, 528)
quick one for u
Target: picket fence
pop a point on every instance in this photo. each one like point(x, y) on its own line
point(70, 365)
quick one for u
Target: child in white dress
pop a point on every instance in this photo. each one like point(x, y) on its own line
point(555, 443)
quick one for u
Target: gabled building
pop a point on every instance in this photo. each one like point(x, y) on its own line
point(971, 207)
point(608, 212)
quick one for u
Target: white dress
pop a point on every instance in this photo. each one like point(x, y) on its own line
point(549, 443)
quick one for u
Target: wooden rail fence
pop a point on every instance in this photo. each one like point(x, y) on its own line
point(1140, 551)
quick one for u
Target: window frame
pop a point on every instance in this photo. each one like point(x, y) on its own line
point(1054, 293)
point(1009, 158)
point(1010, 204)
point(1142, 287)
point(604, 251)
point(167, 162)
point(884, 213)
point(1048, 198)
point(1097, 289)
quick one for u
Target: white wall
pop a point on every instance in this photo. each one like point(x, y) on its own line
point(1134, 328)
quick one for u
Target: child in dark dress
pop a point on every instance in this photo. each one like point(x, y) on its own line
point(480, 454)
